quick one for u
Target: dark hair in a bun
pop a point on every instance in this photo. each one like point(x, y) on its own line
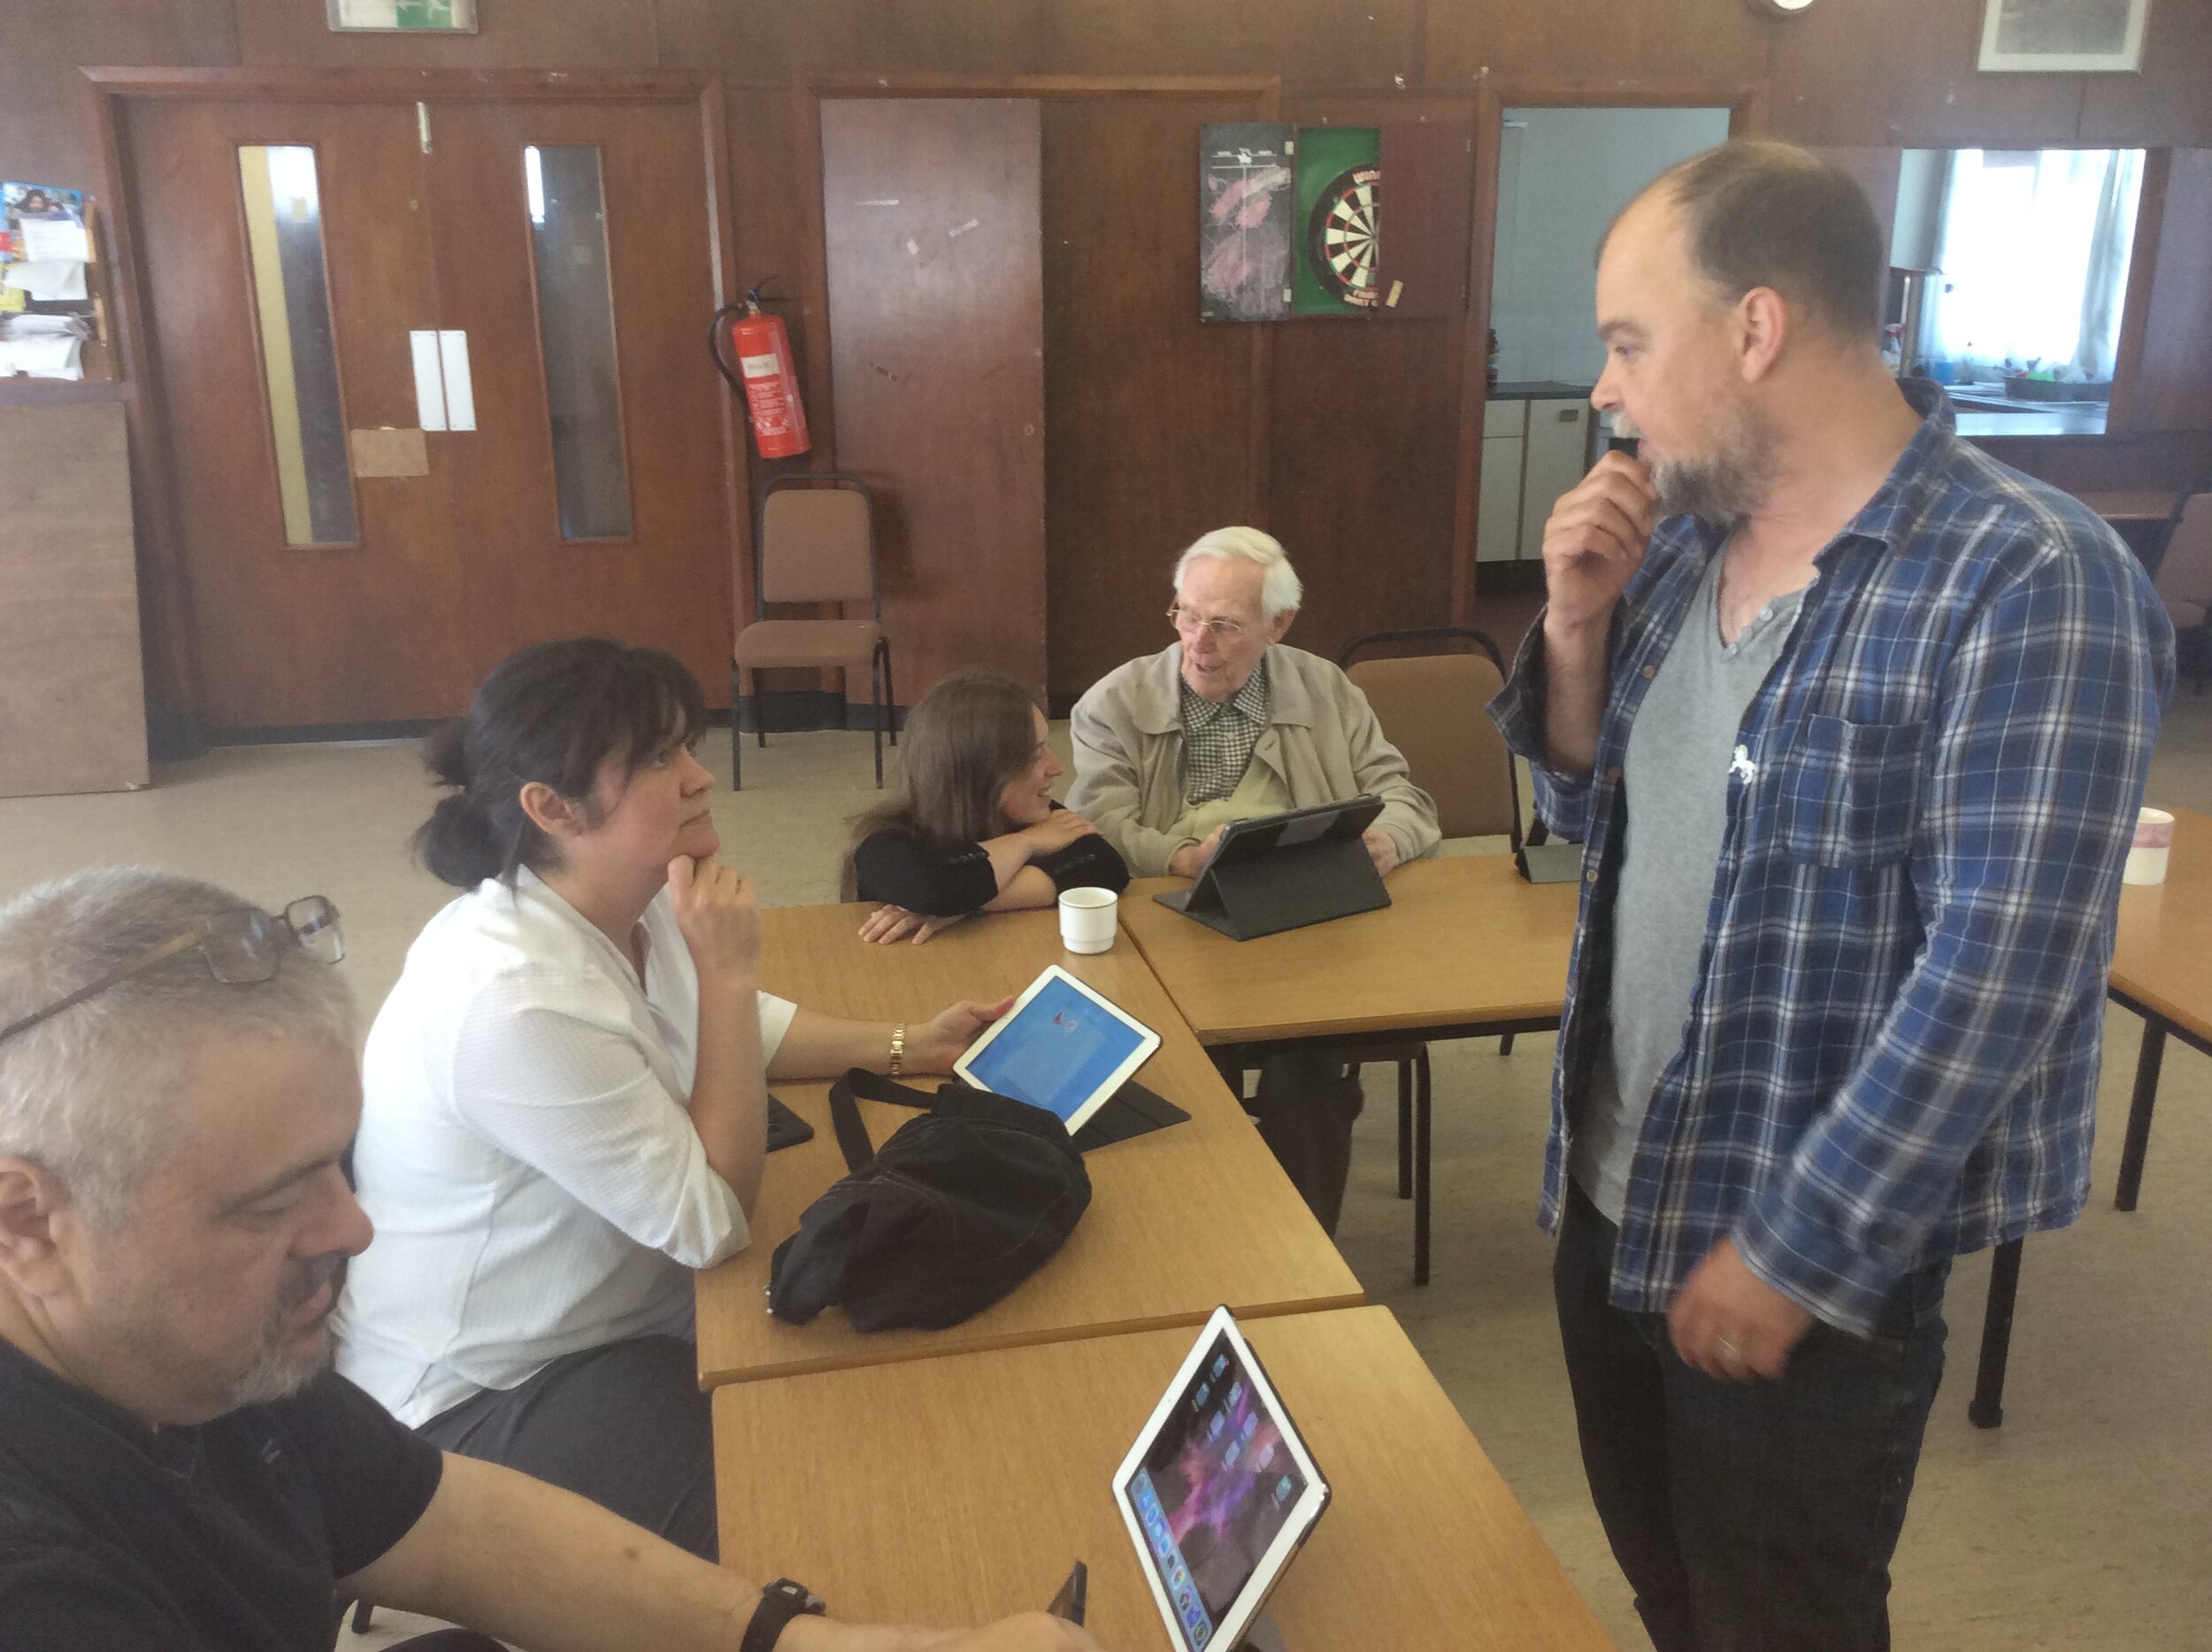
point(553, 713)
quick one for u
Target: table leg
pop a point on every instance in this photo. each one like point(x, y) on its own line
point(1228, 1061)
point(1986, 1409)
point(1421, 1099)
point(1405, 1130)
point(2139, 1136)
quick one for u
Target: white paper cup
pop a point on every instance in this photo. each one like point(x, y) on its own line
point(1088, 919)
point(2153, 842)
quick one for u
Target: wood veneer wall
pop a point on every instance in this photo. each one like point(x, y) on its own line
point(1360, 445)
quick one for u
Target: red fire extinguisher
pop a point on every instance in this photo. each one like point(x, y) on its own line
point(763, 372)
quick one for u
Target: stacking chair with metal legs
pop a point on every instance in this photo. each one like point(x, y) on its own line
point(1431, 709)
point(816, 544)
point(2183, 579)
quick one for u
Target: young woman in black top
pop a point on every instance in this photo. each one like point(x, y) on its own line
point(975, 828)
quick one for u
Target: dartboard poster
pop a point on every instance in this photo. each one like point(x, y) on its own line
point(1245, 231)
point(1340, 184)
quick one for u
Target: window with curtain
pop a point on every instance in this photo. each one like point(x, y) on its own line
point(2034, 258)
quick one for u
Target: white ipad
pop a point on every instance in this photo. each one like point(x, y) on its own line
point(1063, 1046)
point(1218, 1492)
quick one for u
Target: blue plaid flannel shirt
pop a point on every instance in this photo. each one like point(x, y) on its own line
point(1892, 1053)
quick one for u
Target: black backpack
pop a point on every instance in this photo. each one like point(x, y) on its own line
point(956, 1210)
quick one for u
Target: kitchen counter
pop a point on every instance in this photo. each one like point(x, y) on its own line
point(1985, 409)
point(2058, 418)
point(1539, 390)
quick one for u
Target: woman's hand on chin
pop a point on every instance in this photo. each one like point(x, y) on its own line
point(716, 910)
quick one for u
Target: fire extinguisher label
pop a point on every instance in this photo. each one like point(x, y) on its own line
point(758, 367)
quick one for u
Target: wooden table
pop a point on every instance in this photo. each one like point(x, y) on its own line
point(1181, 1221)
point(2162, 969)
point(1466, 949)
point(961, 1490)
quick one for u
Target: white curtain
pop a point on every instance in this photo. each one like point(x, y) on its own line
point(2034, 258)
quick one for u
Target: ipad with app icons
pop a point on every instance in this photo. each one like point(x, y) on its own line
point(1218, 1492)
point(1063, 1047)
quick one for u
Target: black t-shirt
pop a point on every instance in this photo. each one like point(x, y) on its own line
point(945, 880)
point(227, 1536)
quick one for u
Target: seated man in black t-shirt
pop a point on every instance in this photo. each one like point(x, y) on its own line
point(179, 1469)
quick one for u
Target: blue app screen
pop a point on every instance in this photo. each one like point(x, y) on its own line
point(1059, 1049)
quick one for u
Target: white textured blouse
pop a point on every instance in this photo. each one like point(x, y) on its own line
point(526, 1152)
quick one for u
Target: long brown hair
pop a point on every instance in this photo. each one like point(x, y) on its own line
point(963, 741)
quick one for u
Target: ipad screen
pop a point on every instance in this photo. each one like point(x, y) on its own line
point(1213, 1490)
point(1057, 1052)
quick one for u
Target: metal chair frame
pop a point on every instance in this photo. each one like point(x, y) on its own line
point(2192, 647)
point(1415, 1090)
point(882, 698)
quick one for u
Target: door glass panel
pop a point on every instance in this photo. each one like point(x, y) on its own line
point(568, 238)
point(284, 236)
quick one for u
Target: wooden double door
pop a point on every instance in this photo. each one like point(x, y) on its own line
point(434, 386)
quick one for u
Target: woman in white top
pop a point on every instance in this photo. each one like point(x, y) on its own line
point(566, 1094)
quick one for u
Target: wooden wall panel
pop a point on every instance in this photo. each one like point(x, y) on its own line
point(2171, 388)
point(2171, 101)
point(1594, 43)
point(1147, 409)
point(44, 134)
point(534, 35)
point(72, 704)
point(1365, 460)
point(1327, 44)
point(764, 42)
point(771, 243)
point(1900, 73)
point(936, 334)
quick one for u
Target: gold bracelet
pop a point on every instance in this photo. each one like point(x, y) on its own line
point(898, 1049)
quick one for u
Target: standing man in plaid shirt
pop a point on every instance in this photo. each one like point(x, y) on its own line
point(1852, 722)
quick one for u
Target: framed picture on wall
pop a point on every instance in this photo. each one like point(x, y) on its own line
point(429, 17)
point(2070, 36)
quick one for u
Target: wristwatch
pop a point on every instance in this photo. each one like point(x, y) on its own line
point(779, 1602)
point(898, 1050)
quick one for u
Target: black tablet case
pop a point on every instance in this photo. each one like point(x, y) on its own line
point(1132, 1110)
point(1286, 888)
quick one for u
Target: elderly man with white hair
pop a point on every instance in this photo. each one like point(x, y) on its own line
point(1225, 724)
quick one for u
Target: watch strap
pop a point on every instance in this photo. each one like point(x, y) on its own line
point(779, 1602)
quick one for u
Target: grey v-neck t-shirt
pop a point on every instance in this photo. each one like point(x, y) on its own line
point(1675, 777)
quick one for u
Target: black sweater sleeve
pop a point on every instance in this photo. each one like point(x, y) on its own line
point(1089, 863)
point(897, 867)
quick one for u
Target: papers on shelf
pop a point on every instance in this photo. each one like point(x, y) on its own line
point(44, 355)
point(24, 326)
point(48, 278)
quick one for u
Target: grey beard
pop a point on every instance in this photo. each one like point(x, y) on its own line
point(1722, 489)
point(274, 1375)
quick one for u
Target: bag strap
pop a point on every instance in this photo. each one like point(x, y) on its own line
point(852, 1133)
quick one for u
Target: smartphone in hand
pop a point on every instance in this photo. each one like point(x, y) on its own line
point(1069, 1603)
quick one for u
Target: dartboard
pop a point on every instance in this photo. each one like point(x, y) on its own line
point(1340, 236)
